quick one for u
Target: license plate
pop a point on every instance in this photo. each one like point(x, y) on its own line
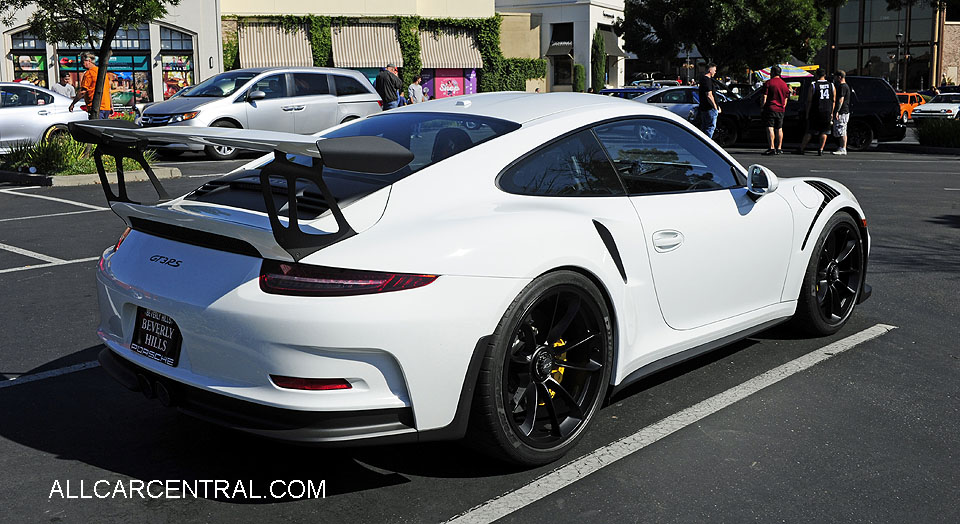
point(156, 336)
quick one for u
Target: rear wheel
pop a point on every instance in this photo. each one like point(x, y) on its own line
point(859, 137)
point(725, 135)
point(546, 371)
point(56, 132)
point(222, 152)
point(831, 285)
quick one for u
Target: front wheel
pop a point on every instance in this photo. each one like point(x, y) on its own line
point(832, 282)
point(545, 372)
point(222, 152)
point(725, 135)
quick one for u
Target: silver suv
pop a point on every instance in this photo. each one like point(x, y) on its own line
point(292, 99)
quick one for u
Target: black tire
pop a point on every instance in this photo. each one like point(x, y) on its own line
point(528, 408)
point(55, 132)
point(169, 153)
point(859, 137)
point(725, 135)
point(834, 277)
point(222, 152)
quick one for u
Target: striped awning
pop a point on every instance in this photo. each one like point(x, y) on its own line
point(449, 49)
point(266, 44)
point(366, 45)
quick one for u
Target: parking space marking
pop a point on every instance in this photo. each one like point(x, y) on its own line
point(204, 176)
point(52, 215)
point(48, 374)
point(50, 264)
point(55, 199)
point(31, 254)
point(592, 462)
point(951, 189)
point(875, 171)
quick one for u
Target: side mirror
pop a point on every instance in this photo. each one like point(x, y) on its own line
point(256, 95)
point(761, 181)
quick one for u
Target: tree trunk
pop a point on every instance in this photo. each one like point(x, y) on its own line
point(104, 63)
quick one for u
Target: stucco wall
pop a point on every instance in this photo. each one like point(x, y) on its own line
point(520, 35)
point(425, 8)
point(951, 51)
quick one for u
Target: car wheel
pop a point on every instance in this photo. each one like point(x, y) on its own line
point(832, 282)
point(167, 153)
point(725, 135)
point(859, 137)
point(904, 117)
point(222, 152)
point(56, 132)
point(545, 372)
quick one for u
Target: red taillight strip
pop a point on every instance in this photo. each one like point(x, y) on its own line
point(310, 384)
point(122, 238)
point(283, 278)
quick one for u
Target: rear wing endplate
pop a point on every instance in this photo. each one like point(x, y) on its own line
point(367, 154)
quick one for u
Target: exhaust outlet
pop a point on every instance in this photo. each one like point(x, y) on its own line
point(163, 394)
point(145, 386)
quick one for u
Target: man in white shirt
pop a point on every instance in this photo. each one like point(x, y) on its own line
point(415, 91)
point(64, 87)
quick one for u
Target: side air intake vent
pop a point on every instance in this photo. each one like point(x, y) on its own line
point(829, 193)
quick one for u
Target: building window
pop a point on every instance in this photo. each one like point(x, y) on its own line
point(877, 62)
point(848, 23)
point(129, 77)
point(173, 40)
point(176, 48)
point(918, 68)
point(29, 55)
point(880, 24)
point(562, 70)
point(921, 23)
point(848, 61)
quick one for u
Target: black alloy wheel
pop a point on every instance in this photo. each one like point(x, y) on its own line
point(546, 372)
point(834, 277)
point(859, 136)
point(725, 134)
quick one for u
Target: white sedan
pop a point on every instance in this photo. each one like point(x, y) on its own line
point(946, 105)
point(29, 114)
point(490, 266)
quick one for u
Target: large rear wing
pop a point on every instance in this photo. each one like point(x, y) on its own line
point(368, 154)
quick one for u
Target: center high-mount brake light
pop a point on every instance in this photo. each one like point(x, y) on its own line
point(287, 278)
point(310, 384)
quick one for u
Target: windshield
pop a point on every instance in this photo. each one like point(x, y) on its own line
point(224, 84)
point(946, 99)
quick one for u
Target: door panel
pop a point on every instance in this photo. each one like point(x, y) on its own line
point(314, 107)
point(270, 113)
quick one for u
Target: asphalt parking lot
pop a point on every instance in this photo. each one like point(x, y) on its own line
point(867, 433)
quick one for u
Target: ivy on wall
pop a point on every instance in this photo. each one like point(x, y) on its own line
point(498, 73)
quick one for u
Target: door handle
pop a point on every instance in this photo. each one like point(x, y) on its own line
point(43, 112)
point(667, 240)
point(293, 108)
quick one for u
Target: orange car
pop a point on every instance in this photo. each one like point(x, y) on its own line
point(909, 102)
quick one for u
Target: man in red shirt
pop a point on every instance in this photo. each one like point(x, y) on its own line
point(774, 94)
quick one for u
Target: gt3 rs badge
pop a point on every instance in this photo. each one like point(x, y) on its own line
point(160, 259)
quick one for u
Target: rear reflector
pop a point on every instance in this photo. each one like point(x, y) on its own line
point(310, 384)
point(285, 278)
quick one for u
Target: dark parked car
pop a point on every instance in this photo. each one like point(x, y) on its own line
point(875, 114)
point(628, 93)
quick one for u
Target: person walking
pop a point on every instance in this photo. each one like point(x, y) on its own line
point(819, 111)
point(387, 86)
point(415, 90)
point(88, 86)
point(709, 108)
point(774, 96)
point(64, 87)
point(841, 111)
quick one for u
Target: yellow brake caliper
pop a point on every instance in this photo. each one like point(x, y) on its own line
point(557, 374)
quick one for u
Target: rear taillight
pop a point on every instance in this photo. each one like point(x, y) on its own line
point(380, 103)
point(122, 238)
point(310, 384)
point(286, 278)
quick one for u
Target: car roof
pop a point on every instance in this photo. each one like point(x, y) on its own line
point(517, 106)
point(34, 86)
point(287, 69)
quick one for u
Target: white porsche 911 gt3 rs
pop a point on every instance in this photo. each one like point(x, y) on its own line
point(490, 266)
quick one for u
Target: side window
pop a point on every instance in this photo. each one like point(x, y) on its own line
point(16, 96)
point(305, 84)
point(653, 156)
point(675, 96)
point(572, 166)
point(275, 86)
point(346, 85)
point(655, 99)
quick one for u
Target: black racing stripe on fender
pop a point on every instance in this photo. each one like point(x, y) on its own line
point(611, 245)
point(829, 193)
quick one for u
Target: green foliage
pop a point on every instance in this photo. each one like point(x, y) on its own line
point(231, 52)
point(939, 132)
point(61, 155)
point(736, 34)
point(579, 78)
point(598, 61)
point(408, 32)
point(321, 45)
point(516, 72)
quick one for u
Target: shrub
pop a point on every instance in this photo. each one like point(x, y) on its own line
point(61, 156)
point(579, 78)
point(939, 133)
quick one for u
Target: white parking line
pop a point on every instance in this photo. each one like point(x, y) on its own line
point(44, 197)
point(40, 266)
point(52, 215)
point(565, 475)
point(204, 176)
point(951, 189)
point(48, 374)
point(31, 254)
point(876, 171)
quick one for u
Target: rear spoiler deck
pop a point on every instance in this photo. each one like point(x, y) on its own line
point(368, 154)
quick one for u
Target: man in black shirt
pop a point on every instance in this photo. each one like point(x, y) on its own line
point(841, 111)
point(709, 105)
point(820, 102)
point(387, 85)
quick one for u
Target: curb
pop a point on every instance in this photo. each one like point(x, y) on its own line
point(83, 180)
point(893, 147)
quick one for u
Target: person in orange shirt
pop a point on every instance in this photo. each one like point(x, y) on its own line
point(88, 85)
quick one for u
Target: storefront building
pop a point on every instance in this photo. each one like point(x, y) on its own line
point(567, 34)
point(904, 46)
point(150, 62)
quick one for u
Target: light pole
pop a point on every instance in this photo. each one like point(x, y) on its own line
point(899, 45)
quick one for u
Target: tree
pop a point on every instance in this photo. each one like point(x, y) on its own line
point(579, 78)
point(598, 61)
point(86, 21)
point(736, 34)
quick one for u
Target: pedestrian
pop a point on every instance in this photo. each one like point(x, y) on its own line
point(536, 90)
point(64, 87)
point(415, 90)
point(841, 112)
point(387, 85)
point(819, 111)
point(709, 108)
point(774, 96)
point(88, 86)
